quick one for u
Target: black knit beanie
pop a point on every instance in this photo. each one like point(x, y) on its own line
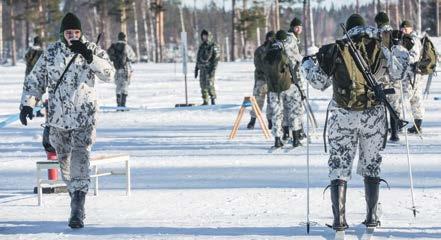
point(295, 22)
point(70, 21)
point(381, 19)
point(121, 36)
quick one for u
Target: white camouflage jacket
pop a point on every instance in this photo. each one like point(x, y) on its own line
point(291, 45)
point(74, 104)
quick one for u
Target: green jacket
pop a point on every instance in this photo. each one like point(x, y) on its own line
point(259, 53)
point(208, 55)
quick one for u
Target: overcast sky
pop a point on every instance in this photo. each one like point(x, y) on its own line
point(325, 3)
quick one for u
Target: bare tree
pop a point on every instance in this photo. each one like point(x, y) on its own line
point(277, 14)
point(144, 24)
point(418, 17)
point(135, 23)
point(233, 27)
point(123, 17)
point(42, 20)
point(437, 18)
point(12, 36)
point(1, 30)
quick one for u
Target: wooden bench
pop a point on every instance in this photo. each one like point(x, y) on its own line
point(95, 163)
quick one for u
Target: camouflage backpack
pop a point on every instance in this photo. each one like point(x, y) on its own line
point(276, 69)
point(427, 63)
point(350, 87)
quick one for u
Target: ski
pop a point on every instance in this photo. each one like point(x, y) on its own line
point(275, 149)
point(369, 231)
point(339, 235)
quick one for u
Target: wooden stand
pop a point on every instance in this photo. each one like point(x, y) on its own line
point(250, 102)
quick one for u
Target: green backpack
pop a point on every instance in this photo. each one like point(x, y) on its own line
point(276, 69)
point(349, 85)
point(428, 60)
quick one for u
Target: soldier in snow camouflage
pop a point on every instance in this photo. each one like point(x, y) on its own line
point(260, 83)
point(207, 60)
point(358, 122)
point(122, 55)
point(72, 104)
point(382, 21)
point(290, 112)
point(292, 46)
point(413, 84)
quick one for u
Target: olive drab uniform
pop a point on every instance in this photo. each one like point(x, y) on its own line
point(356, 118)
point(72, 107)
point(260, 89)
point(207, 60)
point(31, 57)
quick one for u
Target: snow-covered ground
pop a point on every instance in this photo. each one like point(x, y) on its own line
point(190, 182)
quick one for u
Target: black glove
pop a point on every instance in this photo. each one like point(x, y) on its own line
point(26, 111)
point(414, 67)
point(81, 48)
point(302, 95)
point(313, 58)
point(379, 92)
point(196, 71)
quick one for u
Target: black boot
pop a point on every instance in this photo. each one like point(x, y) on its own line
point(296, 137)
point(278, 143)
point(124, 100)
point(416, 127)
point(270, 124)
point(302, 134)
point(394, 130)
point(251, 123)
point(118, 100)
point(285, 133)
point(213, 101)
point(338, 198)
point(371, 190)
point(77, 212)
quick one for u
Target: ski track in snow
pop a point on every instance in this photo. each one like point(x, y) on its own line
point(190, 182)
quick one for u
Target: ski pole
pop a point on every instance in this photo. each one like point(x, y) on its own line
point(408, 153)
point(308, 225)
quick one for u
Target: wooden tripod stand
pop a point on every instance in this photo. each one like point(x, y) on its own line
point(249, 102)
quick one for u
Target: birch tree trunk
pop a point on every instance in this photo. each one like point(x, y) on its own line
point(1, 30)
point(144, 23)
point(233, 31)
point(135, 23)
point(277, 14)
point(13, 43)
point(152, 21)
point(123, 17)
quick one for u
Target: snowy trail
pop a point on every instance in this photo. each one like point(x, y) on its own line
point(190, 182)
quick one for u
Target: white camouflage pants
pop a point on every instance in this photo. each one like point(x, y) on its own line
point(73, 152)
point(289, 101)
point(260, 92)
point(415, 95)
point(349, 130)
point(395, 99)
point(122, 81)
